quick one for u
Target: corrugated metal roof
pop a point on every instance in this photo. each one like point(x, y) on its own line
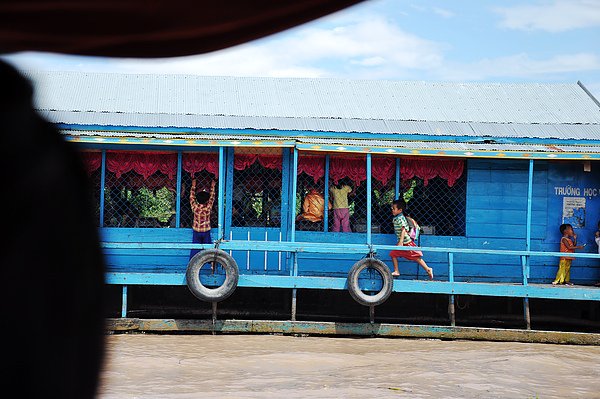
point(561, 111)
point(387, 127)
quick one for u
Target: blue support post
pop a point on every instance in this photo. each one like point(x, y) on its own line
point(294, 271)
point(229, 189)
point(294, 172)
point(525, 260)
point(286, 213)
point(529, 211)
point(397, 178)
point(124, 302)
point(326, 192)
point(102, 185)
point(451, 309)
point(178, 191)
point(220, 205)
point(369, 202)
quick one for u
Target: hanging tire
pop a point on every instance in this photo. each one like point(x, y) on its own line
point(209, 256)
point(386, 276)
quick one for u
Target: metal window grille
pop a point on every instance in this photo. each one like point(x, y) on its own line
point(438, 208)
point(94, 184)
point(134, 200)
point(256, 199)
point(310, 203)
point(349, 171)
point(382, 196)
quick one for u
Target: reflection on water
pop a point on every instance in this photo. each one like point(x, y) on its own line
point(275, 366)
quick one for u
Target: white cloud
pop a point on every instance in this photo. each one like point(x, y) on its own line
point(551, 16)
point(522, 66)
point(368, 47)
point(442, 12)
point(371, 61)
point(436, 10)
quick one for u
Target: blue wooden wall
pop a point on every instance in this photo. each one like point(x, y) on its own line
point(496, 214)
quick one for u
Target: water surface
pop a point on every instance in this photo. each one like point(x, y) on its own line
point(276, 366)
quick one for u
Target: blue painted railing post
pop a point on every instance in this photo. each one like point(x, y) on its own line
point(286, 183)
point(293, 232)
point(124, 302)
point(397, 179)
point(294, 191)
point(326, 190)
point(525, 260)
point(529, 205)
point(178, 191)
point(102, 185)
point(228, 178)
point(369, 199)
point(221, 205)
point(451, 309)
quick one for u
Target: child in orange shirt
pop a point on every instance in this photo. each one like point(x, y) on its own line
point(568, 244)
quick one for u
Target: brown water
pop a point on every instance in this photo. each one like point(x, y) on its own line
point(272, 366)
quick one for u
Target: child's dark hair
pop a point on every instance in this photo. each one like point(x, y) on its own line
point(400, 204)
point(563, 227)
point(202, 197)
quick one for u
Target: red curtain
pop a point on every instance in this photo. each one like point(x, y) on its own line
point(146, 164)
point(91, 161)
point(354, 168)
point(422, 168)
point(451, 170)
point(428, 168)
point(242, 161)
point(383, 169)
point(143, 163)
point(312, 165)
point(199, 161)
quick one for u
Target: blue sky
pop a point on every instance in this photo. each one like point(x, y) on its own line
point(459, 41)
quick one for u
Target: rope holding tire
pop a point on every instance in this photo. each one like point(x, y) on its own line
point(386, 275)
point(212, 256)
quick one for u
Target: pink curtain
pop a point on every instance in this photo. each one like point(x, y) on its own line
point(270, 161)
point(312, 165)
point(428, 168)
point(143, 163)
point(91, 161)
point(198, 161)
point(353, 168)
point(383, 169)
point(451, 170)
point(242, 161)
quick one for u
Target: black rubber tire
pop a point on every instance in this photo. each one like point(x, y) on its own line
point(357, 294)
point(212, 294)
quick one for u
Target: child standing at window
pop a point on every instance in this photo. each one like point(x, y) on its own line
point(568, 244)
point(201, 205)
point(401, 230)
point(341, 211)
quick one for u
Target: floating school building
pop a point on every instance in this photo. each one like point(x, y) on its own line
point(490, 172)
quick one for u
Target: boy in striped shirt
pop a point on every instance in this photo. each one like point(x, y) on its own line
point(201, 205)
point(401, 230)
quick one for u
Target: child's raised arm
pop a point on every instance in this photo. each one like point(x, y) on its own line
point(570, 245)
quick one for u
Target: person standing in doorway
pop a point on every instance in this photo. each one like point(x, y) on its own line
point(201, 205)
point(341, 211)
